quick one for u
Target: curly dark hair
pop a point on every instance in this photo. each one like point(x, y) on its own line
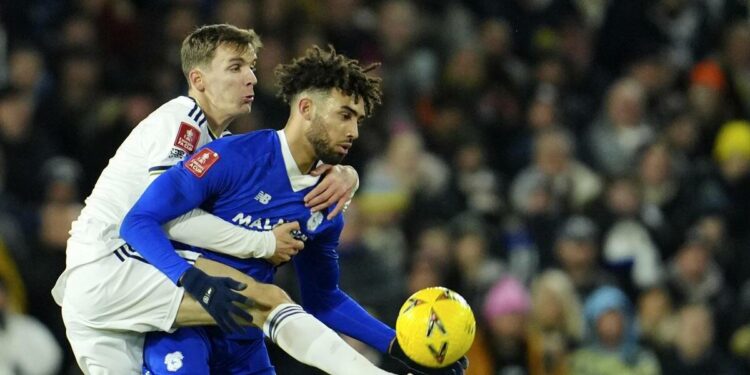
point(323, 70)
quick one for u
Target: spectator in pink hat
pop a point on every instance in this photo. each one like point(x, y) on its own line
point(506, 297)
point(506, 312)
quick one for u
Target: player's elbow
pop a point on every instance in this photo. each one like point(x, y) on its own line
point(126, 226)
point(130, 223)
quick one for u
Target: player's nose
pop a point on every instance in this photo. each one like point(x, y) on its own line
point(352, 132)
point(252, 79)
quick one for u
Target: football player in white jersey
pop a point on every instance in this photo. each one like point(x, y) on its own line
point(108, 293)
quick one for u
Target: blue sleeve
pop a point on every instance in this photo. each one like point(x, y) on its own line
point(172, 194)
point(318, 271)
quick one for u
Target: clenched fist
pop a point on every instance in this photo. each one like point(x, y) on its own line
point(286, 245)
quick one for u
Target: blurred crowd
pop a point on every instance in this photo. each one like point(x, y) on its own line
point(579, 170)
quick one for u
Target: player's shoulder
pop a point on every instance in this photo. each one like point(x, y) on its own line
point(253, 145)
point(263, 136)
point(174, 113)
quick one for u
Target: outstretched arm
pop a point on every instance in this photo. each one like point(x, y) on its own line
point(318, 271)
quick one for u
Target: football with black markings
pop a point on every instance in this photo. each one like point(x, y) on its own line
point(435, 327)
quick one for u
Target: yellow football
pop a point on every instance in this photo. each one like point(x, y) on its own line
point(435, 327)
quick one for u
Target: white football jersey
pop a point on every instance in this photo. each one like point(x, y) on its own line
point(164, 138)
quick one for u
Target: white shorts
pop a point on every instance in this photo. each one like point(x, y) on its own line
point(110, 302)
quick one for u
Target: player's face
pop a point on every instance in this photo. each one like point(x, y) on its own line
point(230, 80)
point(335, 126)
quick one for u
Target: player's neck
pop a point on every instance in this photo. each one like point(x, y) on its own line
point(217, 123)
point(302, 151)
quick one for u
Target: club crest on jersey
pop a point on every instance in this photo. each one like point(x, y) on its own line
point(200, 163)
point(173, 361)
point(187, 137)
point(314, 221)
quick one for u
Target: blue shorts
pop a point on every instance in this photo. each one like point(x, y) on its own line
point(205, 350)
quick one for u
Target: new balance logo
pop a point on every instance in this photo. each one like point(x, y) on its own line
point(263, 197)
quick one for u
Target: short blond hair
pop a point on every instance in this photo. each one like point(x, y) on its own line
point(200, 46)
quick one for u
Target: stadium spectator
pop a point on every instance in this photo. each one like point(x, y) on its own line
point(656, 319)
point(695, 351)
point(622, 128)
point(611, 343)
point(506, 312)
point(28, 346)
point(577, 252)
point(556, 327)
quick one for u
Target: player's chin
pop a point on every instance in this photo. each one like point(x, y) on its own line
point(243, 109)
point(333, 159)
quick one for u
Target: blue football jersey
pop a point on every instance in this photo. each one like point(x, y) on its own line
point(253, 181)
point(254, 185)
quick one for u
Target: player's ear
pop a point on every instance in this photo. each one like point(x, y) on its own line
point(195, 76)
point(305, 106)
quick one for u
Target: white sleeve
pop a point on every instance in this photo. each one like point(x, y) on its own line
point(201, 229)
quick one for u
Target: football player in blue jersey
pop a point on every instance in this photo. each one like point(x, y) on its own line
point(109, 295)
point(258, 180)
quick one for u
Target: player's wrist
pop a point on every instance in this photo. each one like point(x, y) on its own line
point(189, 277)
point(268, 247)
point(177, 273)
point(397, 353)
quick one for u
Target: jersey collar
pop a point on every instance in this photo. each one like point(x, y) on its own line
point(297, 179)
